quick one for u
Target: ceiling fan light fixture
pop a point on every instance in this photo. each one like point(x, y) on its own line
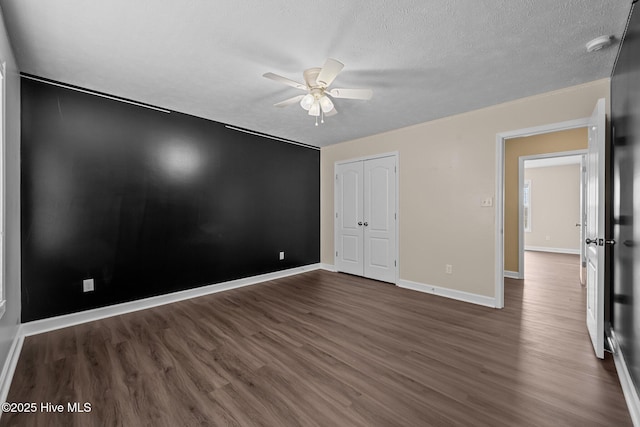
point(318, 100)
point(325, 104)
point(315, 109)
point(307, 101)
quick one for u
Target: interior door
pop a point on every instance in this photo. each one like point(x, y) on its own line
point(596, 228)
point(349, 236)
point(380, 219)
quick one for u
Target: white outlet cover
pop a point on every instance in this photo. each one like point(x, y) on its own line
point(281, 255)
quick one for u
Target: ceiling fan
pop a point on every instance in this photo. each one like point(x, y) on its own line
point(317, 101)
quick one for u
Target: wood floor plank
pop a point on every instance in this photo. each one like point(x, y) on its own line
point(327, 349)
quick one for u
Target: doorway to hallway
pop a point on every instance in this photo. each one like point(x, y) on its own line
point(552, 205)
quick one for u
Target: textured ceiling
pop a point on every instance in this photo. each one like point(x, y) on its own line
point(423, 59)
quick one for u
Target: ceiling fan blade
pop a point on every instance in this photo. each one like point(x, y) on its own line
point(363, 94)
point(329, 71)
point(289, 101)
point(284, 80)
point(333, 112)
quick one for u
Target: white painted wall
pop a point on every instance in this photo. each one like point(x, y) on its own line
point(555, 209)
point(11, 319)
point(446, 167)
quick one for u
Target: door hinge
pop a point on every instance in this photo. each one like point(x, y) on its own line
point(336, 253)
point(395, 216)
point(336, 177)
point(395, 263)
point(336, 214)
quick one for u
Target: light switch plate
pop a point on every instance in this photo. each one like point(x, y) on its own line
point(487, 202)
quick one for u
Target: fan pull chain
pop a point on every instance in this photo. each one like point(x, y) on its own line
point(322, 116)
point(316, 120)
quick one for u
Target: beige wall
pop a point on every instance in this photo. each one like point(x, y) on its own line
point(555, 142)
point(555, 207)
point(446, 167)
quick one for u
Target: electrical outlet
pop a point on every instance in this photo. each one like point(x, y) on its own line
point(281, 256)
point(449, 268)
point(87, 285)
point(547, 238)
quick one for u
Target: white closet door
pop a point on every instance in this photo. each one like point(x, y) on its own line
point(380, 219)
point(349, 218)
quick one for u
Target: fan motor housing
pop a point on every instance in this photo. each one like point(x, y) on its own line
point(310, 77)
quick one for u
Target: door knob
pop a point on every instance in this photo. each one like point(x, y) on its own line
point(359, 223)
point(590, 241)
point(366, 224)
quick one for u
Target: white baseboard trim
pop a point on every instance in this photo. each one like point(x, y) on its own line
point(512, 274)
point(10, 364)
point(628, 388)
point(59, 322)
point(328, 267)
point(554, 250)
point(448, 293)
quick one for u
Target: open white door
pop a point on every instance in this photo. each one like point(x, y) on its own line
point(595, 229)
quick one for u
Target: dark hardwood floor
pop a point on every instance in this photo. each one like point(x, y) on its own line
point(328, 349)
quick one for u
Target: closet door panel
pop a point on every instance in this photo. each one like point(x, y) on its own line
point(380, 219)
point(349, 222)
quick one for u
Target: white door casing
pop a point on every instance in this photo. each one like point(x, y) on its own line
point(365, 218)
point(595, 230)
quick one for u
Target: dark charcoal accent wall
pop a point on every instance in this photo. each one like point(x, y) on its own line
point(148, 203)
point(625, 109)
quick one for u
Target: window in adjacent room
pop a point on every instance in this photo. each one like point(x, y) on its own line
point(526, 205)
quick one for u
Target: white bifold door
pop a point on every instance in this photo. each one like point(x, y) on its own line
point(365, 219)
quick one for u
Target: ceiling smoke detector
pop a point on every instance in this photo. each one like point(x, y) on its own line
point(599, 43)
